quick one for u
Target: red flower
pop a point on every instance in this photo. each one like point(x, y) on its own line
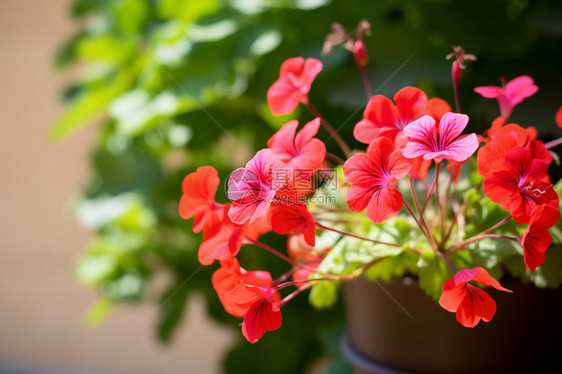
point(302, 151)
point(426, 140)
point(261, 306)
point(384, 118)
point(293, 85)
point(226, 237)
point(230, 275)
point(198, 199)
point(558, 117)
point(294, 218)
point(373, 179)
point(253, 188)
point(514, 92)
point(537, 239)
point(491, 157)
point(470, 303)
point(519, 186)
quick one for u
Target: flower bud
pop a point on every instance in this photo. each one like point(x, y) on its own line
point(360, 53)
point(456, 71)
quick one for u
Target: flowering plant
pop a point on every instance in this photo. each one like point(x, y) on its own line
point(456, 230)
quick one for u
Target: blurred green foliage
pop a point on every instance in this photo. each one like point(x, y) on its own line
point(175, 84)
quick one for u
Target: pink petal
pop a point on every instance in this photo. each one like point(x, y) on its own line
point(423, 137)
point(450, 127)
point(312, 67)
point(462, 148)
point(283, 98)
point(282, 142)
point(519, 89)
point(292, 65)
point(366, 131)
point(490, 92)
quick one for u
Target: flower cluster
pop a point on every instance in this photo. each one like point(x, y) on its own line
point(406, 137)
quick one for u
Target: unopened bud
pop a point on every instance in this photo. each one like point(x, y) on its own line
point(360, 53)
point(456, 71)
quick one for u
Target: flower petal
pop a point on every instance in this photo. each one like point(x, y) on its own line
point(450, 127)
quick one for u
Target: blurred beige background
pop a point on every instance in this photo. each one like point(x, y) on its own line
point(41, 305)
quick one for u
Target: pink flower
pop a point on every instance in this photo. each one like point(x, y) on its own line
point(426, 140)
point(514, 92)
point(470, 303)
point(373, 179)
point(537, 239)
point(302, 151)
point(293, 85)
point(253, 188)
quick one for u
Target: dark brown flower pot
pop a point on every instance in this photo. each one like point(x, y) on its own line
point(525, 335)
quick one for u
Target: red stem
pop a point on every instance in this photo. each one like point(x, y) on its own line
point(343, 145)
point(554, 143)
point(321, 226)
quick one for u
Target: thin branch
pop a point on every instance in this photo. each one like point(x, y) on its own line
point(321, 226)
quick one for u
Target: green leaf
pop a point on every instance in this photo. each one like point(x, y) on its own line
point(90, 104)
point(171, 309)
point(92, 270)
point(433, 273)
point(324, 294)
point(394, 267)
point(186, 11)
point(130, 15)
point(549, 274)
point(97, 313)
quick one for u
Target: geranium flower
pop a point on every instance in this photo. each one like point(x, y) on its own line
point(558, 117)
point(514, 92)
point(537, 239)
point(294, 218)
point(491, 157)
point(519, 186)
point(373, 178)
point(230, 275)
point(198, 198)
point(302, 151)
point(262, 310)
point(384, 118)
point(226, 237)
point(295, 78)
point(443, 143)
point(253, 188)
point(470, 303)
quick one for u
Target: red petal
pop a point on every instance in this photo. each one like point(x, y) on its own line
point(558, 117)
point(384, 203)
point(411, 103)
point(261, 317)
point(199, 190)
point(476, 305)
